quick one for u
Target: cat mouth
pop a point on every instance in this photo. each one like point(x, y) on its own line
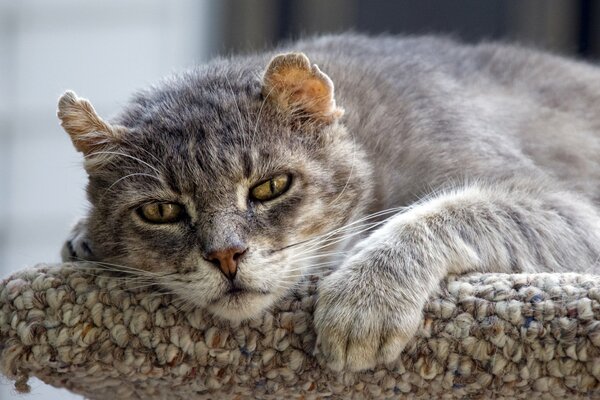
point(236, 291)
point(237, 297)
point(238, 302)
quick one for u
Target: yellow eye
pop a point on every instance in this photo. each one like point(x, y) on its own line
point(271, 189)
point(161, 213)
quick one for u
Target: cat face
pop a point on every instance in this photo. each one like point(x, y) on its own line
point(218, 182)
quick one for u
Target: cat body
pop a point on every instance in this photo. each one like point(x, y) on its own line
point(395, 162)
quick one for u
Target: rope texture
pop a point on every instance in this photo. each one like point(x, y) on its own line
point(485, 336)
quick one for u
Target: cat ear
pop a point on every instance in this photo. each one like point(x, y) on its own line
point(87, 130)
point(301, 89)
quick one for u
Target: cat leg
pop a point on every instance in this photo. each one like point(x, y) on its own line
point(77, 246)
point(372, 305)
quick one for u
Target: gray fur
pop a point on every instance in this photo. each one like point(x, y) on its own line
point(482, 157)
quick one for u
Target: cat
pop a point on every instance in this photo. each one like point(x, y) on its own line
point(389, 162)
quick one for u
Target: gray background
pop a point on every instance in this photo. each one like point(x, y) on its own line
point(105, 49)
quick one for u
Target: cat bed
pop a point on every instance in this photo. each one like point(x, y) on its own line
point(483, 336)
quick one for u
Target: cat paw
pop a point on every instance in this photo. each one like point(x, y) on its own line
point(77, 247)
point(362, 319)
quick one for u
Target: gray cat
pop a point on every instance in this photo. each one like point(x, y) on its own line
point(229, 182)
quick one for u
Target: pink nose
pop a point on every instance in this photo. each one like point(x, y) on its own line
point(227, 260)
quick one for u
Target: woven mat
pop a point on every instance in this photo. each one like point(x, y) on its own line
point(484, 336)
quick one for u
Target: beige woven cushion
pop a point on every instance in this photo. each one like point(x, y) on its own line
point(485, 335)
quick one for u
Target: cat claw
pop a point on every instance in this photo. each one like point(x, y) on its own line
point(352, 351)
point(359, 325)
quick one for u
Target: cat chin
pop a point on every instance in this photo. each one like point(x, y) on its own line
point(249, 306)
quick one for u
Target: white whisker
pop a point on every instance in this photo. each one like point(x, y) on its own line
point(377, 214)
point(130, 175)
point(116, 153)
point(351, 171)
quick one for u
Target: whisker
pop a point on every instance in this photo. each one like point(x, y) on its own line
point(334, 231)
point(304, 274)
point(313, 266)
point(328, 241)
point(116, 153)
point(307, 273)
point(143, 286)
point(345, 237)
point(129, 274)
point(260, 112)
point(123, 268)
point(130, 175)
point(158, 160)
point(122, 279)
point(332, 239)
point(329, 254)
point(351, 171)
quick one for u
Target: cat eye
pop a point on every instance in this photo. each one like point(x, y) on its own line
point(161, 213)
point(271, 189)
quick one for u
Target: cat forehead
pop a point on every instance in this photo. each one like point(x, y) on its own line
point(217, 108)
point(221, 122)
point(222, 150)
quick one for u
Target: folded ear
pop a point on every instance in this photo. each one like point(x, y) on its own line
point(299, 88)
point(87, 130)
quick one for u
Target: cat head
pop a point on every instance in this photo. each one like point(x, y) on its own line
point(220, 181)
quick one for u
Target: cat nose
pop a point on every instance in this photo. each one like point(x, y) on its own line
point(227, 260)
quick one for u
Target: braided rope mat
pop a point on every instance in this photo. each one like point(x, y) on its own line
point(484, 336)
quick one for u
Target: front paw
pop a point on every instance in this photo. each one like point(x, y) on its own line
point(364, 316)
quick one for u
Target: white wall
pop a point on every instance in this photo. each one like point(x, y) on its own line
point(102, 49)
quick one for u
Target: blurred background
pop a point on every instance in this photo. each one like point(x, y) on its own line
point(106, 49)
